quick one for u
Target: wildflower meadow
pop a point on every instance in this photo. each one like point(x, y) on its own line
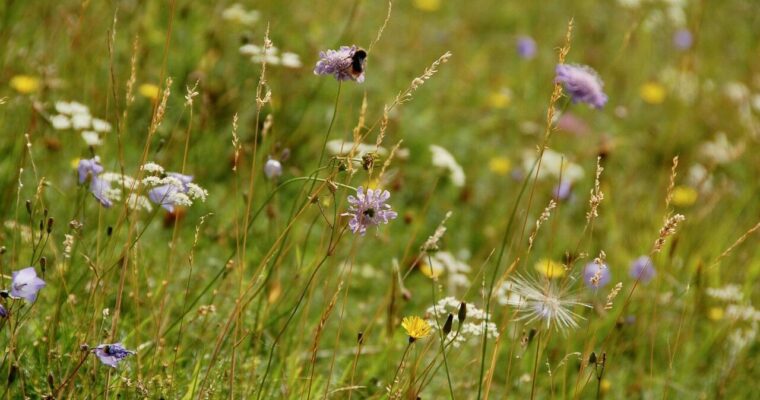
point(386, 199)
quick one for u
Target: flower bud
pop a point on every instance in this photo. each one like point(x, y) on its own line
point(447, 325)
point(272, 169)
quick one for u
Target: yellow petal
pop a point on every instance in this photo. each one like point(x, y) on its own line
point(500, 165)
point(427, 5)
point(149, 90)
point(550, 268)
point(500, 99)
point(715, 313)
point(652, 93)
point(25, 84)
point(684, 196)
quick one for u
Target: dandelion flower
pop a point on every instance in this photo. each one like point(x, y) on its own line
point(416, 328)
point(550, 268)
point(339, 64)
point(545, 302)
point(112, 354)
point(500, 165)
point(642, 269)
point(427, 5)
point(25, 284)
point(368, 209)
point(652, 93)
point(582, 84)
point(684, 196)
point(149, 90)
point(25, 84)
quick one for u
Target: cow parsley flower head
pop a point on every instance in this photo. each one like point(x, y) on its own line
point(473, 325)
point(25, 284)
point(546, 302)
point(642, 269)
point(174, 190)
point(112, 354)
point(442, 158)
point(338, 63)
point(582, 84)
point(368, 209)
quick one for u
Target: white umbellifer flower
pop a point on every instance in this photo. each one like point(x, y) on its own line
point(173, 181)
point(546, 302)
point(92, 138)
point(341, 148)
point(736, 91)
point(745, 313)
point(196, 192)
point(179, 199)
point(474, 325)
point(139, 202)
point(151, 181)
point(456, 271)
point(152, 168)
point(68, 244)
point(60, 122)
point(250, 49)
point(554, 164)
point(720, 150)
point(290, 60)
point(81, 121)
point(726, 293)
point(270, 58)
point(119, 179)
point(237, 13)
point(71, 108)
point(100, 126)
point(443, 159)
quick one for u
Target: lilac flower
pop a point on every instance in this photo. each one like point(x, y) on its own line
point(339, 63)
point(526, 47)
point(25, 284)
point(369, 209)
point(642, 269)
point(582, 84)
point(172, 194)
point(596, 276)
point(683, 39)
point(272, 169)
point(89, 167)
point(112, 354)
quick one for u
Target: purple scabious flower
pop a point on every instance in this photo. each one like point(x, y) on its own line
point(526, 47)
point(25, 284)
point(3, 312)
point(642, 269)
point(563, 190)
point(368, 209)
point(112, 354)
point(89, 167)
point(582, 84)
point(683, 39)
point(338, 63)
point(596, 275)
point(99, 188)
point(168, 195)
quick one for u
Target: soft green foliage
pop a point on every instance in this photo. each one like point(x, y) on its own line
point(215, 310)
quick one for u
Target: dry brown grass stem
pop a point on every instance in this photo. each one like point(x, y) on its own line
point(735, 244)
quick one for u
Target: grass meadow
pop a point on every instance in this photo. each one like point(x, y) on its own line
point(471, 200)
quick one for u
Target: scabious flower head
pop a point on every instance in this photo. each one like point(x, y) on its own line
point(25, 284)
point(416, 328)
point(683, 39)
point(368, 209)
point(526, 47)
point(563, 190)
point(272, 169)
point(90, 167)
point(642, 269)
point(3, 312)
point(582, 84)
point(338, 64)
point(544, 301)
point(175, 190)
point(596, 275)
point(112, 354)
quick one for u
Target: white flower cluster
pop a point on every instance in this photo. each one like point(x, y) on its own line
point(271, 56)
point(744, 318)
point(554, 165)
point(443, 159)
point(76, 116)
point(456, 270)
point(726, 293)
point(237, 13)
point(474, 325)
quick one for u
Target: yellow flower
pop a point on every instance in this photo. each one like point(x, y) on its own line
point(715, 313)
point(605, 385)
point(427, 5)
point(25, 84)
point(652, 93)
point(500, 165)
point(75, 163)
point(550, 268)
point(430, 272)
point(373, 184)
point(500, 99)
point(684, 196)
point(149, 90)
point(416, 328)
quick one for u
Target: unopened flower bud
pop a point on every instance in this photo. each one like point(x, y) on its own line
point(272, 169)
point(447, 325)
point(462, 314)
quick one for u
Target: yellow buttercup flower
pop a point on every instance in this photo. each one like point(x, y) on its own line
point(715, 313)
point(427, 5)
point(25, 84)
point(550, 268)
point(430, 272)
point(149, 90)
point(74, 163)
point(652, 93)
point(684, 196)
point(500, 99)
point(500, 165)
point(416, 328)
